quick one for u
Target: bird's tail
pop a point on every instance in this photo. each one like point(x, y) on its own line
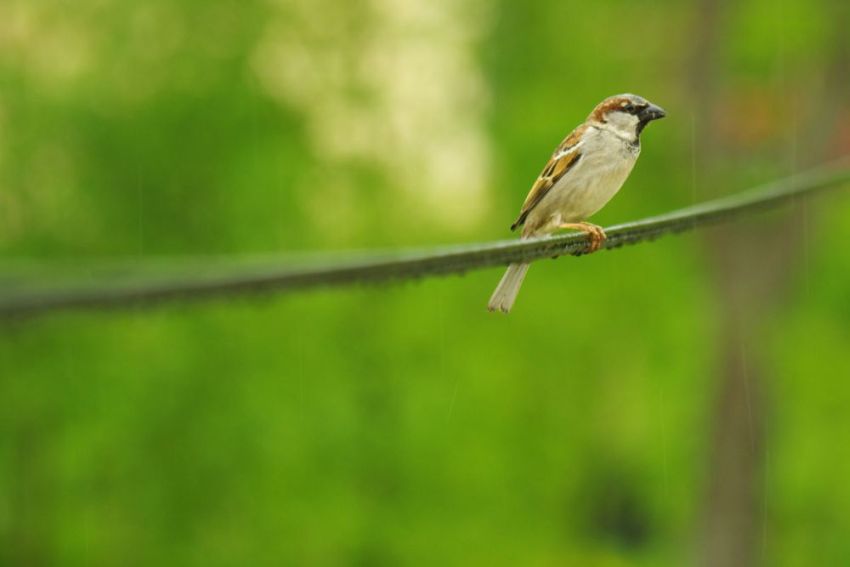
point(505, 295)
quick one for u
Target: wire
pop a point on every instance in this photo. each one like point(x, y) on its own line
point(145, 283)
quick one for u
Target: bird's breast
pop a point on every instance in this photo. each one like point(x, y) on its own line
point(593, 182)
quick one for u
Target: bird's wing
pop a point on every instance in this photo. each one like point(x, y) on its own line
point(565, 157)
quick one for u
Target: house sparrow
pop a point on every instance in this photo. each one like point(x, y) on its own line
point(583, 174)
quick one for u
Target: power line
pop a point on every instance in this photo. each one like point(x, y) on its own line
point(144, 283)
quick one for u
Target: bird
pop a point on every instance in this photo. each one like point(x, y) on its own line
point(585, 171)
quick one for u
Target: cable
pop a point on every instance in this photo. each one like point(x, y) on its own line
point(143, 283)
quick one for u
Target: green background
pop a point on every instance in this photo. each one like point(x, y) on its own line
point(404, 424)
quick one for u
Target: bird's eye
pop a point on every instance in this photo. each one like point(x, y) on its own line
point(629, 107)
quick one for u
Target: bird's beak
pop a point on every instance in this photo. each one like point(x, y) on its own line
point(652, 112)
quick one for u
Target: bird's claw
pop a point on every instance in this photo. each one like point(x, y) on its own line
point(595, 234)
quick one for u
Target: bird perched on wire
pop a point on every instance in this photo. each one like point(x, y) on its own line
point(586, 170)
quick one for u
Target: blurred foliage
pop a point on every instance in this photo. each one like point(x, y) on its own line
point(404, 424)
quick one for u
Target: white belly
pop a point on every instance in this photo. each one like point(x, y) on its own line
point(583, 190)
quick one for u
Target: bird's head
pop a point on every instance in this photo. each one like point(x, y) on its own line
point(625, 114)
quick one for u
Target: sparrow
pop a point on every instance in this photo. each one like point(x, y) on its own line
point(584, 173)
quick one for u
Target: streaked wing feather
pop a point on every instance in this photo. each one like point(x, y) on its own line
point(565, 156)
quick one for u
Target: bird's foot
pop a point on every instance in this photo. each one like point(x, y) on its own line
point(595, 233)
